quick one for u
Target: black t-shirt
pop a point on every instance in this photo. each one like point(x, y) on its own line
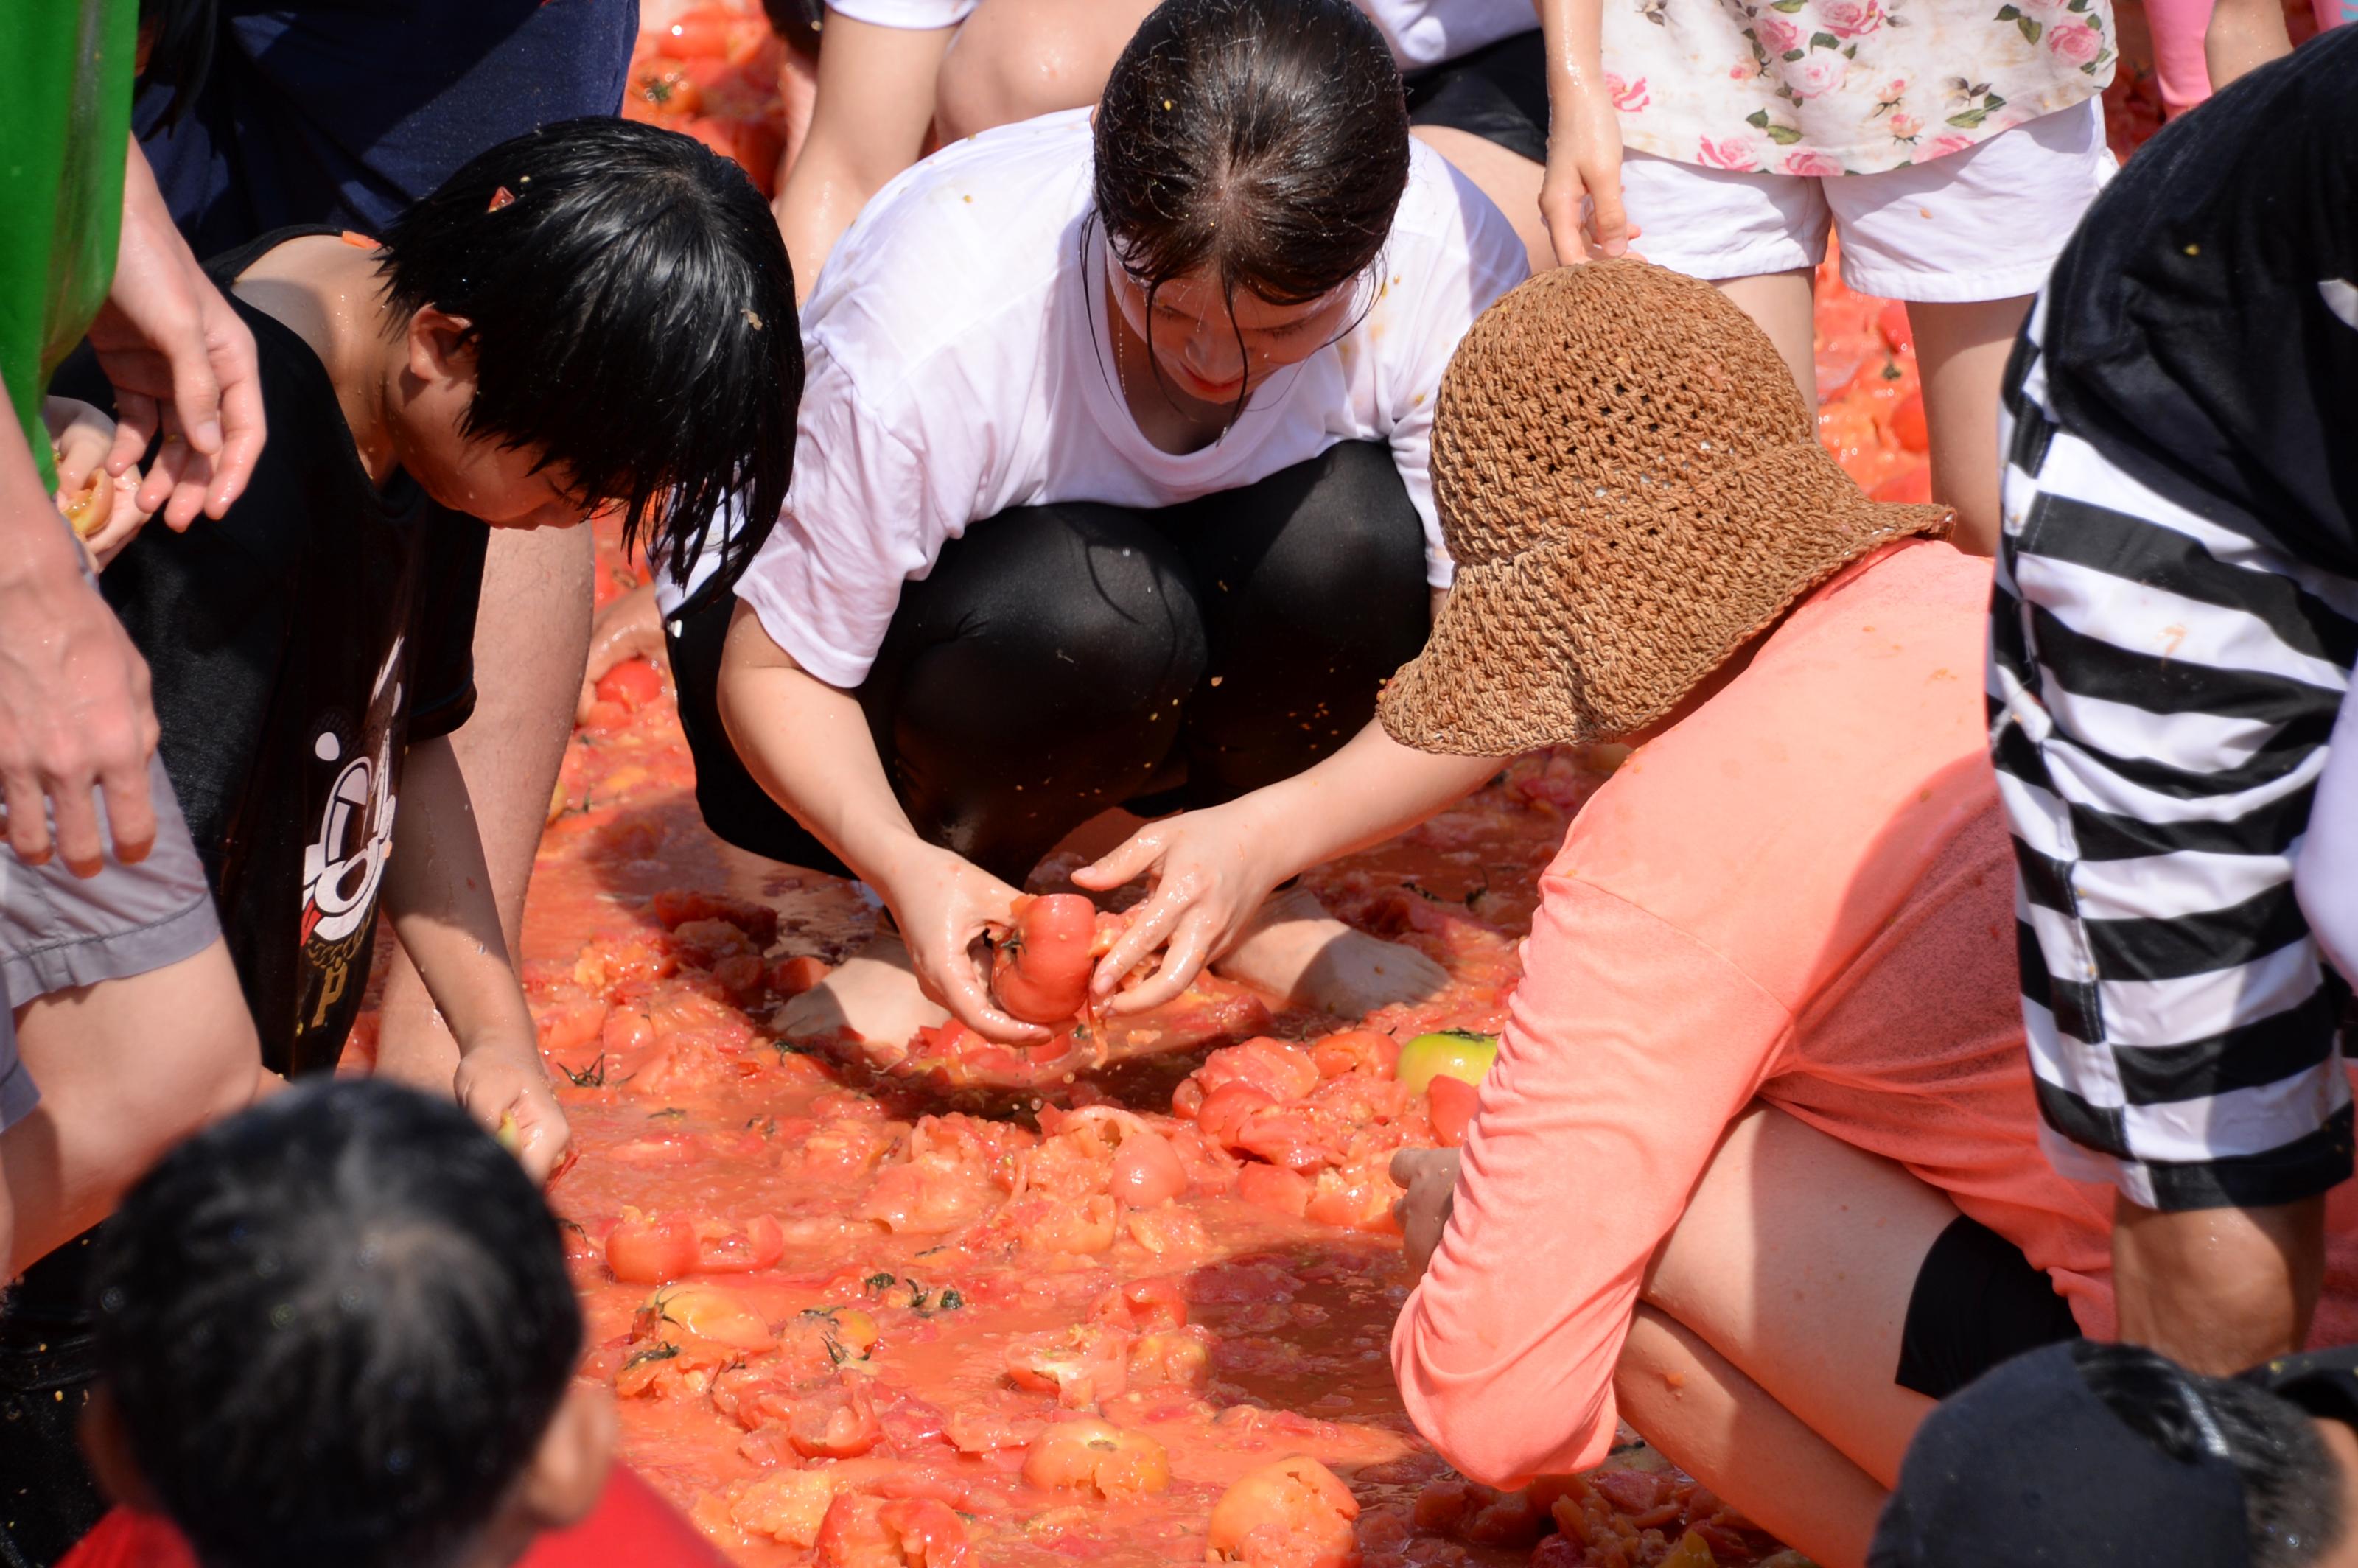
point(297, 645)
point(2201, 327)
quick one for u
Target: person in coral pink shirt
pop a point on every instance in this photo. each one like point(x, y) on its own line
point(338, 1329)
point(1758, 1168)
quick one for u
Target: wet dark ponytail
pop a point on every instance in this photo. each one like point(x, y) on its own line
point(1263, 142)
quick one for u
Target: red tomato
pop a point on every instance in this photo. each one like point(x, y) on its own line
point(1291, 1514)
point(1146, 1171)
point(1452, 1101)
point(1096, 1457)
point(700, 35)
point(651, 1249)
point(1156, 1303)
point(1041, 970)
point(725, 1248)
point(633, 683)
point(836, 1422)
point(1355, 1051)
point(1908, 426)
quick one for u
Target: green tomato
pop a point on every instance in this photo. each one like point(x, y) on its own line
point(1457, 1053)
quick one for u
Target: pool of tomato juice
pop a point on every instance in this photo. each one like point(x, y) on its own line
point(885, 1284)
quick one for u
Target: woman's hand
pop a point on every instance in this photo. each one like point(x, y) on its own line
point(629, 628)
point(945, 904)
point(504, 1088)
point(1580, 196)
point(1212, 869)
point(103, 508)
point(1429, 1177)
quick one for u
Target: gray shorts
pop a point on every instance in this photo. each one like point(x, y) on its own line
point(58, 931)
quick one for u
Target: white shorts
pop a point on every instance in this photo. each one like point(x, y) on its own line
point(1984, 223)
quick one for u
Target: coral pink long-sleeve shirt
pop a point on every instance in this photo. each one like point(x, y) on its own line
point(1802, 892)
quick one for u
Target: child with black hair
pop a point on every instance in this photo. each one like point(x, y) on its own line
point(594, 314)
point(338, 1329)
point(2116, 1457)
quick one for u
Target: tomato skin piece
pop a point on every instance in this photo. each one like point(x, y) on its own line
point(1040, 971)
point(1451, 1102)
point(651, 1249)
point(724, 1249)
point(1276, 1188)
point(709, 1312)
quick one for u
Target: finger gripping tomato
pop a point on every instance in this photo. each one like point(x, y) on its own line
point(1459, 1052)
point(1293, 1513)
point(1040, 970)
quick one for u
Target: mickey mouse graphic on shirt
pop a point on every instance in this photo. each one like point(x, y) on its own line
point(343, 863)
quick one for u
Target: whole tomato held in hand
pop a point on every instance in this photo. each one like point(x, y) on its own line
point(1041, 973)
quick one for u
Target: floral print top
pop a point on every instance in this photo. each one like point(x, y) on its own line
point(1826, 87)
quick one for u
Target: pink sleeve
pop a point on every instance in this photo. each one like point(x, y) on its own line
point(1629, 1048)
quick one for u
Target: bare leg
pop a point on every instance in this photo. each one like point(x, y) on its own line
point(530, 646)
point(1961, 352)
point(2219, 1289)
point(1795, 1260)
point(126, 1069)
point(1782, 302)
point(1296, 950)
point(1719, 1425)
point(1509, 180)
point(1016, 58)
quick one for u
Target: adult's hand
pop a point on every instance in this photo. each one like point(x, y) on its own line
point(1429, 1179)
point(945, 903)
point(182, 365)
point(75, 709)
point(1212, 871)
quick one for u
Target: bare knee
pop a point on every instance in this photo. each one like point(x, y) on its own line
point(1017, 59)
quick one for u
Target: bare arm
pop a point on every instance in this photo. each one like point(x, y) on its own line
point(439, 893)
point(1584, 161)
point(2243, 34)
point(75, 709)
point(1212, 867)
point(875, 99)
point(2218, 1289)
point(808, 745)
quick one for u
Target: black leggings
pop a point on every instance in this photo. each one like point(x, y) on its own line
point(1059, 660)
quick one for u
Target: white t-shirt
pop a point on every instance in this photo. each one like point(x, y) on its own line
point(1430, 32)
point(1422, 32)
point(912, 13)
point(959, 366)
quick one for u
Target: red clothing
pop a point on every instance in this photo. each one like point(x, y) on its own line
point(630, 1524)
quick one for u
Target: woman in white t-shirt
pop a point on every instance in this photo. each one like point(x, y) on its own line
point(1032, 567)
point(890, 71)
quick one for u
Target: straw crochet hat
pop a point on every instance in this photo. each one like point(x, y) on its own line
point(1632, 488)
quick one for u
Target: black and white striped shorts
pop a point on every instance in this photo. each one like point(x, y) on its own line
point(2161, 693)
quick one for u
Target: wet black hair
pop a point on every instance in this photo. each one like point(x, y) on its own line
point(336, 1327)
point(631, 312)
point(1263, 141)
point(2292, 1489)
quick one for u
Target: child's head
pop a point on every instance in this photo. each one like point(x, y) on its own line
point(608, 316)
point(1249, 155)
point(338, 1329)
